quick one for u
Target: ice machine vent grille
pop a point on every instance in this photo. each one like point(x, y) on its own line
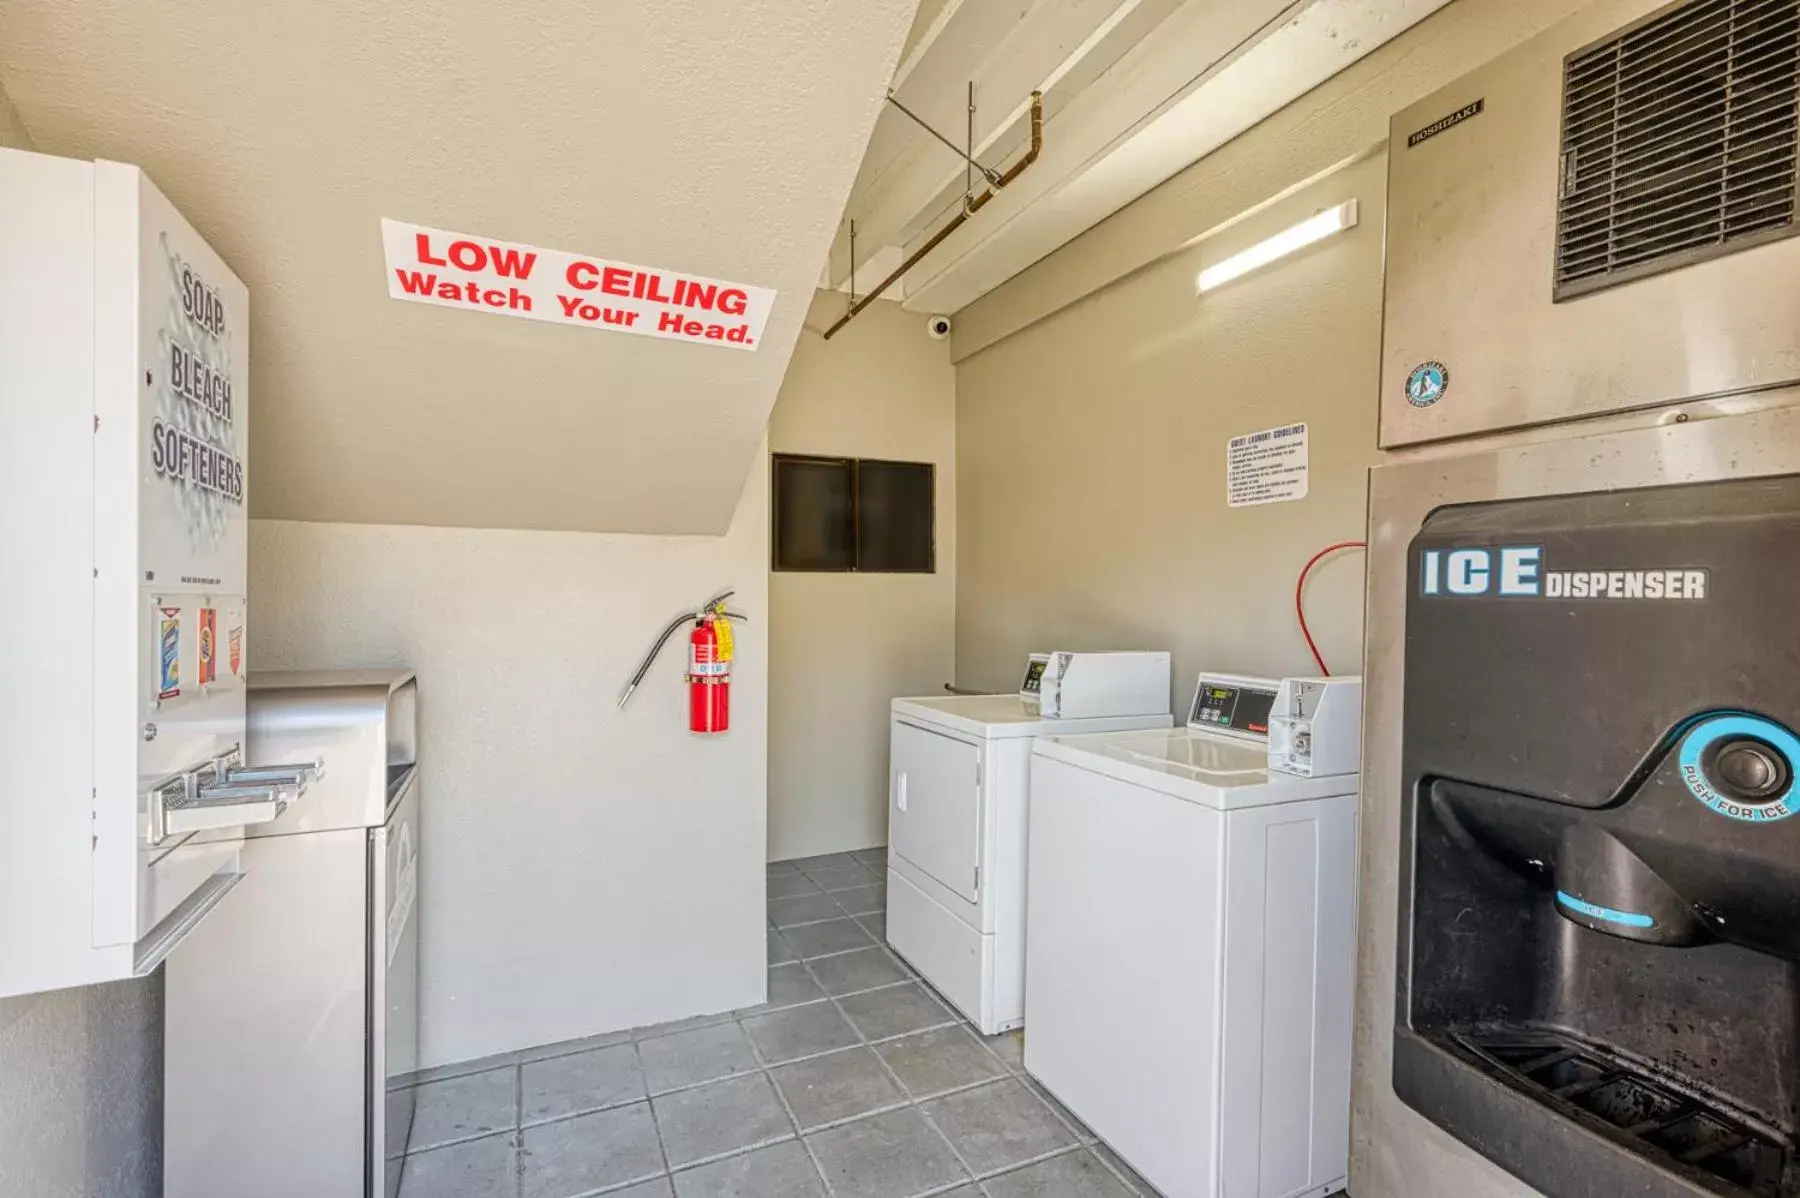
point(1678, 142)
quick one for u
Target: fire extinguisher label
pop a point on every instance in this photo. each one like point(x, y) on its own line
point(703, 663)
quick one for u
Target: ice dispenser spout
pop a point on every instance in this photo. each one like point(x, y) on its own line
point(1602, 885)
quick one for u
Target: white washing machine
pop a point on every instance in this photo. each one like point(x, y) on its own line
point(959, 776)
point(1190, 953)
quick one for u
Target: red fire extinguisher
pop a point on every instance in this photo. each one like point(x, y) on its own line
point(709, 673)
point(709, 663)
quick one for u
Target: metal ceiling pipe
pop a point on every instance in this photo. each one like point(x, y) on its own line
point(975, 205)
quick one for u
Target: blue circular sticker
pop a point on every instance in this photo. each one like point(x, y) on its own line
point(1708, 732)
point(1427, 384)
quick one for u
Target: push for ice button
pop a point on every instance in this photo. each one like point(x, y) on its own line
point(1741, 766)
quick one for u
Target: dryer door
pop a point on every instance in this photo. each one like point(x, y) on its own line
point(935, 800)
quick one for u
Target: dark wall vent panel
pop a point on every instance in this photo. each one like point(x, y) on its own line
point(1679, 142)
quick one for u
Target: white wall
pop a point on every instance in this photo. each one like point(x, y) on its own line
point(843, 645)
point(584, 869)
point(1091, 456)
point(80, 1070)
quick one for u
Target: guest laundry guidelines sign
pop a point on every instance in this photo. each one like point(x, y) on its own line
point(1266, 467)
point(483, 274)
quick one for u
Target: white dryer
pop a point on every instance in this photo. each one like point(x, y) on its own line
point(959, 777)
point(1191, 946)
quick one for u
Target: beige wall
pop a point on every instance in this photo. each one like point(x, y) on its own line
point(584, 868)
point(842, 646)
point(1100, 360)
point(1091, 457)
point(12, 131)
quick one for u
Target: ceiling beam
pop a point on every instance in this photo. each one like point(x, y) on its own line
point(1097, 161)
point(905, 169)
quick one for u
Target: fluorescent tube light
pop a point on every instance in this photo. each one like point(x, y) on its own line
point(1316, 228)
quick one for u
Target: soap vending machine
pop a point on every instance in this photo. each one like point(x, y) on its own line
point(1580, 903)
point(124, 378)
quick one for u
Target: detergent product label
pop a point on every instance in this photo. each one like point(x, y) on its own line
point(168, 657)
point(235, 639)
point(209, 636)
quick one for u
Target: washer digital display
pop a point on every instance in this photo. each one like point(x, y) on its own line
point(1240, 708)
point(1034, 676)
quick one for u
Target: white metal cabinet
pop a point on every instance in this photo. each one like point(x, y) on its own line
point(1106, 857)
point(1190, 953)
point(936, 818)
point(958, 811)
point(124, 354)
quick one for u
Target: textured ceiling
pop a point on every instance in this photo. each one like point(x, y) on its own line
point(714, 137)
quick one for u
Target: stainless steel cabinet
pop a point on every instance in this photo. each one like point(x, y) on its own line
point(293, 1012)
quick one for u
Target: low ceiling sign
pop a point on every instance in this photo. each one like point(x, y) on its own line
point(484, 274)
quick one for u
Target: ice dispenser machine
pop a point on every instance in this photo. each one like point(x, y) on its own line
point(1599, 770)
point(1583, 666)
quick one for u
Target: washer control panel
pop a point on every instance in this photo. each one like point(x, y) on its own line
point(1033, 682)
point(1233, 705)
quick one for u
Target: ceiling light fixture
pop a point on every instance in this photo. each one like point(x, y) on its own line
point(1315, 228)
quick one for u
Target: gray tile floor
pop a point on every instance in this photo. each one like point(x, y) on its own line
point(853, 1081)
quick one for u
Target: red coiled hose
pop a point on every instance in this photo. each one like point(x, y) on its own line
point(1300, 594)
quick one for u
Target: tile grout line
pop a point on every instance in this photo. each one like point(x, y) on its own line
point(907, 1099)
point(752, 1012)
point(519, 1130)
point(813, 923)
point(842, 952)
point(729, 1154)
point(1079, 1146)
point(793, 1120)
point(491, 1134)
point(761, 1066)
point(916, 1104)
point(862, 1042)
point(847, 1120)
point(662, 1149)
point(956, 1020)
point(1125, 1182)
point(954, 1152)
point(1074, 1149)
point(1083, 1140)
point(1082, 1143)
point(614, 1187)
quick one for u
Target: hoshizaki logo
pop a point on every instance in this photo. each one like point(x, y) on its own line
point(1520, 572)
